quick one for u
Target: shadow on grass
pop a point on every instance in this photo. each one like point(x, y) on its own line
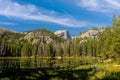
point(45, 74)
point(112, 76)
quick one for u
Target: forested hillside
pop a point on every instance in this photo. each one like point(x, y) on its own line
point(43, 43)
point(29, 43)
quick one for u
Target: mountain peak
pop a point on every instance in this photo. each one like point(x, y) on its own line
point(63, 33)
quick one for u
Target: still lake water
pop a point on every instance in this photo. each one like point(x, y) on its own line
point(6, 63)
point(32, 68)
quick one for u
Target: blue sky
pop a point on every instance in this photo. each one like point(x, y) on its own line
point(72, 15)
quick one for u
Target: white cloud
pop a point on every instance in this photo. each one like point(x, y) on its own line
point(89, 3)
point(114, 4)
point(7, 23)
point(31, 12)
point(108, 6)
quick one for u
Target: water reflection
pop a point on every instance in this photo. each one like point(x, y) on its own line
point(9, 63)
point(37, 62)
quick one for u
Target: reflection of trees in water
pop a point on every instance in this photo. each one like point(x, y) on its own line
point(27, 63)
point(38, 62)
point(52, 62)
point(45, 62)
point(9, 63)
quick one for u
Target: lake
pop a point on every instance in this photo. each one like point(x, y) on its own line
point(29, 62)
point(36, 68)
point(29, 68)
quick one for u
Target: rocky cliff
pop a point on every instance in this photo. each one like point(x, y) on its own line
point(34, 36)
point(40, 35)
point(91, 33)
point(63, 33)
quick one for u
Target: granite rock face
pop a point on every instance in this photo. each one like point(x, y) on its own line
point(36, 37)
point(63, 33)
point(41, 36)
point(90, 33)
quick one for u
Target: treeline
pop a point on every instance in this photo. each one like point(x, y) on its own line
point(105, 45)
point(109, 40)
point(31, 43)
point(39, 49)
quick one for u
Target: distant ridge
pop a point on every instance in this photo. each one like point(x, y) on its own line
point(33, 36)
